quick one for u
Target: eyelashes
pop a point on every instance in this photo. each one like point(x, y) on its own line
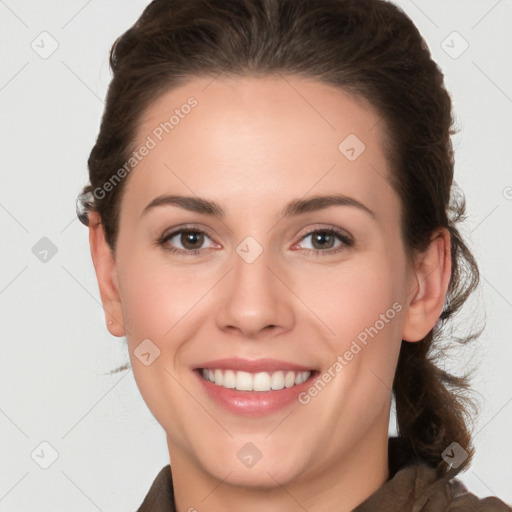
point(198, 236)
point(164, 241)
point(345, 239)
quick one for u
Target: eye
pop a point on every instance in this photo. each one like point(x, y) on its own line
point(323, 240)
point(191, 241)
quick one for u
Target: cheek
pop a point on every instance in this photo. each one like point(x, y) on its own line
point(361, 309)
point(157, 302)
point(351, 296)
point(156, 297)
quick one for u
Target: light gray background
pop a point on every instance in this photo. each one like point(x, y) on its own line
point(54, 345)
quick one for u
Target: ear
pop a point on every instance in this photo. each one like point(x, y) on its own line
point(106, 274)
point(428, 287)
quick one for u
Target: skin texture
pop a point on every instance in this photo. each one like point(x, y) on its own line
point(253, 145)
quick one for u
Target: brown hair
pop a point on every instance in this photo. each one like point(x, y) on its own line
point(368, 48)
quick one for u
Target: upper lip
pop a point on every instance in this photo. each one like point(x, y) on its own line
point(253, 365)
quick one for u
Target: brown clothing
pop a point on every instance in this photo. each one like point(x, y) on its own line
point(413, 486)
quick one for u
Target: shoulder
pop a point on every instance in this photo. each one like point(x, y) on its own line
point(462, 499)
point(450, 494)
point(414, 488)
point(160, 497)
point(418, 488)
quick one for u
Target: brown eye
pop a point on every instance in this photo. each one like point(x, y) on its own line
point(192, 239)
point(323, 241)
point(185, 241)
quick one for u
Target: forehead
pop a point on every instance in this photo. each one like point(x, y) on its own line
point(265, 139)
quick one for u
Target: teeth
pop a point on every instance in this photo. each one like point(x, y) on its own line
point(289, 380)
point(277, 380)
point(243, 381)
point(229, 379)
point(261, 381)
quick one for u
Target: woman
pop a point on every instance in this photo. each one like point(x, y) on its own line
point(270, 224)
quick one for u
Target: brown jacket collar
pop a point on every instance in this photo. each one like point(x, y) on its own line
point(413, 486)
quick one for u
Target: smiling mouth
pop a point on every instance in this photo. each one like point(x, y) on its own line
point(259, 381)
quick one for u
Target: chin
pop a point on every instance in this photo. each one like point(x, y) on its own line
point(263, 475)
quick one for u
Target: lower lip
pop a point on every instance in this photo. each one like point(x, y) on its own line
point(253, 403)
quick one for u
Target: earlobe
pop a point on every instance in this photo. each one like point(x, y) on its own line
point(106, 274)
point(430, 279)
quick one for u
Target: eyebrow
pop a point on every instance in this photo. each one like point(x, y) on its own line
point(293, 208)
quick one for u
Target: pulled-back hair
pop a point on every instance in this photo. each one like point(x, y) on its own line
point(371, 50)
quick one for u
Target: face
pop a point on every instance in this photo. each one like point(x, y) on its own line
point(294, 305)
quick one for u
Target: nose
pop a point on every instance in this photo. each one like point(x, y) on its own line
point(255, 301)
